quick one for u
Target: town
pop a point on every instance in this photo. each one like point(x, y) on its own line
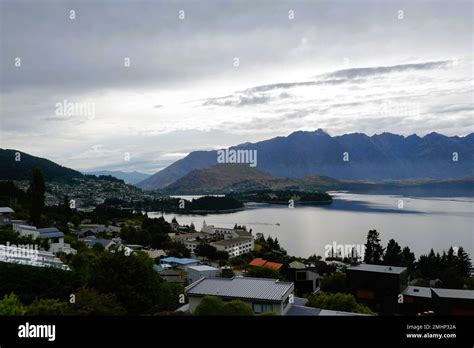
point(85, 257)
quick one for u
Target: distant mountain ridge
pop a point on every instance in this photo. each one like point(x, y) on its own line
point(379, 157)
point(128, 177)
point(234, 178)
point(17, 165)
point(225, 178)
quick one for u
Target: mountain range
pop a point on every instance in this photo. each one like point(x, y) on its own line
point(353, 157)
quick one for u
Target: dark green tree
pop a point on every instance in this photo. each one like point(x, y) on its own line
point(36, 193)
point(209, 305)
point(393, 254)
point(334, 282)
point(90, 302)
point(235, 308)
point(373, 248)
point(408, 258)
point(263, 272)
point(463, 262)
point(206, 250)
point(48, 307)
point(337, 302)
point(11, 305)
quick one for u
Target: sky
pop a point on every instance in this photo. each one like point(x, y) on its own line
point(137, 85)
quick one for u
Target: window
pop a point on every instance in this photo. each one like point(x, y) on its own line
point(262, 307)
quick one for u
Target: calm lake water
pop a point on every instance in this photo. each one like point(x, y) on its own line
point(418, 222)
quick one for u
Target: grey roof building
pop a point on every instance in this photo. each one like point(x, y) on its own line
point(261, 294)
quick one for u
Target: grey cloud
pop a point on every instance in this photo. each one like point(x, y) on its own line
point(380, 70)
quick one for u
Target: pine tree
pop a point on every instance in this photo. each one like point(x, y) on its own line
point(463, 262)
point(408, 258)
point(36, 192)
point(393, 254)
point(373, 248)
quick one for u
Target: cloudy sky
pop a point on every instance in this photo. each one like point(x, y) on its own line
point(150, 81)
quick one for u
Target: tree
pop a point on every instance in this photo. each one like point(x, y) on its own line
point(11, 305)
point(235, 308)
point(209, 305)
point(90, 302)
point(178, 249)
point(463, 262)
point(393, 254)
point(408, 258)
point(133, 281)
point(334, 282)
point(263, 272)
point(337, 302)
point(373, 248)
point(206, 250)
point(48, 307)
point(214, 306)
point(36, 192)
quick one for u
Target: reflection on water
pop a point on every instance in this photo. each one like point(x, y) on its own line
point(421, 223)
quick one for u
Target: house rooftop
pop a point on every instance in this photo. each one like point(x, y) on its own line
point(454, 293)
point(179, 261)
point(242, 233)
point(297, 310)
point(240, 287)
point(93, 242)
point(417, 291)
point(364, 267)
point(201, 268)
point(50, 232)
point(227, 242)
point(297, 265)
point(328, 312)
point(258, 262)
point(6, 210)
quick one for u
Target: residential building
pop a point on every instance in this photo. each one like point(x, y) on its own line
point(258, 262)
point(106, 243)
point(155, 254)
point(235, 246)
point(377, 286)
point(191, 240)
point(54, 236)
point(30, 255)
point(195, 273)
point(306, 279)
point(6, 215)
point(179, 262)
point(416, 300)
point(453, 301)
point(261, 294)
point(224, 233)
point(171, 276)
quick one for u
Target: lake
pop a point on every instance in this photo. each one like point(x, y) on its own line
point(421, 223)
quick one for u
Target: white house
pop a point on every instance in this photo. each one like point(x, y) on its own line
point(195, 273)
point(235, 246)
point(6, 215)
point(223, 233)
point(30, 255)
point(54, 236)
